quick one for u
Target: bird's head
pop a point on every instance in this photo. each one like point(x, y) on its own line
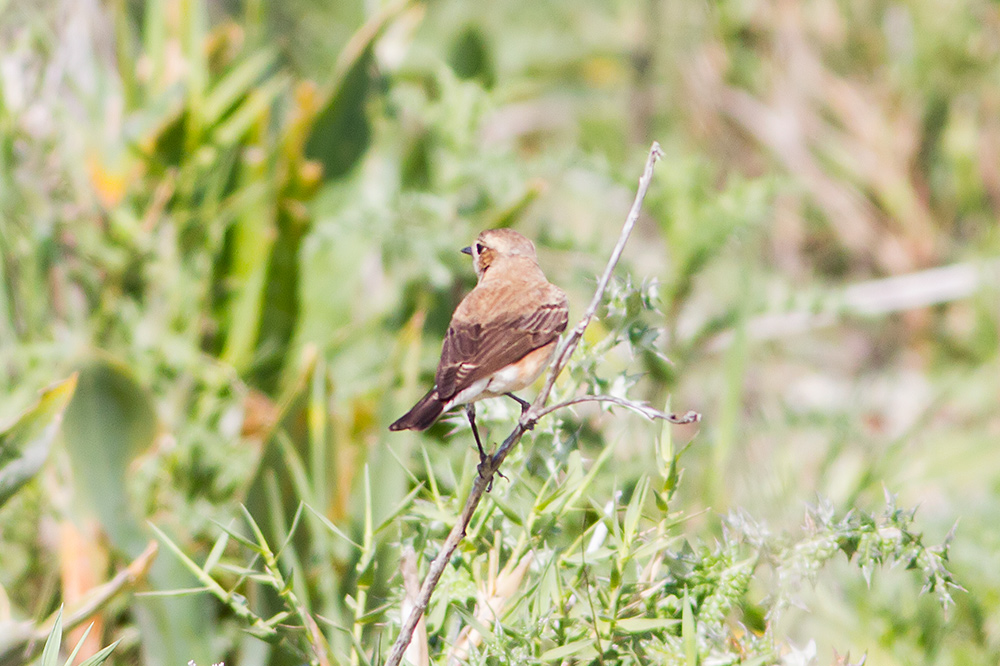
point(495, 245)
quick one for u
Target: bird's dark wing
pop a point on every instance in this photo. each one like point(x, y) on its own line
point(479, 346)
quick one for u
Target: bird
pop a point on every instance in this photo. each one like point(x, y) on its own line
point(502, 335)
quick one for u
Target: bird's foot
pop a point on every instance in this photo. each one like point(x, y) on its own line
point(525, 405)
point(482, 468)
point(485, 465)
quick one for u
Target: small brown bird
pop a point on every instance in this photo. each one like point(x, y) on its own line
point(502, 336)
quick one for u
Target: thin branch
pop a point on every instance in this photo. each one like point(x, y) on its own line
point(645, 410)
point(489, 467)
point(441, 561)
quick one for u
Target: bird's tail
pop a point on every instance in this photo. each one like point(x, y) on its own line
point(423, 415)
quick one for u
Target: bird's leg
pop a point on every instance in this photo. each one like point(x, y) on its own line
point(525, 406)
point(470, 411)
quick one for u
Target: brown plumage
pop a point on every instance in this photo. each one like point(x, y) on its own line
point(502, 335)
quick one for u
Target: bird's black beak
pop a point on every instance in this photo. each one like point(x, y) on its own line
point(467, 250)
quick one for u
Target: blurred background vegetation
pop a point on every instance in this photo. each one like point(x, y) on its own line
point(239, 223)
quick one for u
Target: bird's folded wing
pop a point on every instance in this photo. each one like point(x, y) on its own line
point(476, 347)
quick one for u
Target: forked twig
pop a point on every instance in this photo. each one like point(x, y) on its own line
point(529, 418)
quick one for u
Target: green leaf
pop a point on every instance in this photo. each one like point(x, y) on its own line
point(342, 132)
point(79, 644)
point(403, 505)
point(216, 553)
point(582, 649)
point(254, 110)
point(109, 423)
point(50, 653)
point(333, 528)
point(251, 241)
point(263, 548)
point(470, 56)
point(484, 631)
point(639, 625)
point(634, 512)
point(689, 636)
point(210, 584)
point(101, 656)
point(237, 83)
point(25, 445)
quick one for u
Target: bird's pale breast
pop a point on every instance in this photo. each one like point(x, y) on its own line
point(522, 374)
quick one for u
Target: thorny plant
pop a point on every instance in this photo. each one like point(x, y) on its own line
point(627, 588)
point(630, 588)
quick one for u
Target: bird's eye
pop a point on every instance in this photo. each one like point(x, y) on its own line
point(480, 248)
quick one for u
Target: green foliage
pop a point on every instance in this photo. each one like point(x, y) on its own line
point(240, 224)
point(109, 423)
point(626, 587)
point(50, 653)
point(25, 444)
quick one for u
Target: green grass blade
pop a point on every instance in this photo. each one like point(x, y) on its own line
point(689, 638)
point(101, 656)
point(333, 528)
point(237, 83)
point(79, 644)
point(214, 555)
point(50, 653)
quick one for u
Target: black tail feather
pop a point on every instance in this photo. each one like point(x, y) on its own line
point(423, 415)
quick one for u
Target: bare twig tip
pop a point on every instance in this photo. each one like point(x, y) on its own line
point(690, 417)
